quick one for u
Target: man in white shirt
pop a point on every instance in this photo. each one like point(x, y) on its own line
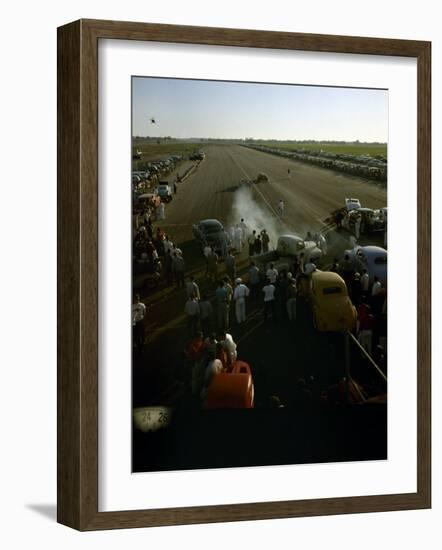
point(377, 285)
point(365, 281)
point(310, 266)
point(228, 344)
point(272, 274)
point(192, 288)
point(251, 240)
point(213, 368)
point(168, 245)
point(240, 294)
point(243, 227)
point(238, 238)
point(269, 300)
point(138, 314)
point(192, 311)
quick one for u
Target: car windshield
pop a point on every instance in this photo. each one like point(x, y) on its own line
point(380, 260)
point(332, 290)
point(210, 229)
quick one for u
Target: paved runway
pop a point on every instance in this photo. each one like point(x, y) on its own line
point(310, 193)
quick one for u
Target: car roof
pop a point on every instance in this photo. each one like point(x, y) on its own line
point(371, 249)
point(323, 279)
point(210, 221)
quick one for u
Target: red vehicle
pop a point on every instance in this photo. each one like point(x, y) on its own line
point(232, 389)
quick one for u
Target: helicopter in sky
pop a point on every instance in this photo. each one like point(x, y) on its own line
point(152, 120)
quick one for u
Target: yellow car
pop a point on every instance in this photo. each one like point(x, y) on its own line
point(332, 308)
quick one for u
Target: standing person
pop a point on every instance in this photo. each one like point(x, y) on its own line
point(265, 241)
point(281, 208)
point(291, 300)
point(269, 300)
point(243, 227)
point(192, 288)
point(353, 242)
point(281, 294)
point(356, 289)
point(251, 240)
point(212, 266)
point(238, 238)
point(295, 267)
point(178, 269)
point(347, 270)
point(207, 250)
point(365, 283)
point(335, 266)
point(301, 262)
point(240, 294)
point(377, 285)
point(272, 274)
point(229, 290)
point(322, 243)
point(192, 311)
point(213, 368)
point(222, 307)
point(206, 313)
point(174, 188)
point(167, 244)
point(138, 314)
point(254, 280)
point(377, 296)
point(310, 266)
point(161, 212)
point(231, 266)
point(210, 344)
point(258, 245)
point(229, 345)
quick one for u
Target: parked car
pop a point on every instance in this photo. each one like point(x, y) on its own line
point(211, 232)
point(164, 191)
point(331, 306)
point(352, 204)
point(288, 247)
point(371, 258)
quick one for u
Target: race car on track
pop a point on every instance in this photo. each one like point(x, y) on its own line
point(211, 232)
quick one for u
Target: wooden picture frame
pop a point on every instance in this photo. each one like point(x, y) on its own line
point(78, 273)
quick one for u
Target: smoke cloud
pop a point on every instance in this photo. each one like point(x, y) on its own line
point(256, 216)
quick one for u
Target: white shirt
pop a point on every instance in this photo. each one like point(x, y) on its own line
point(241, 291)
point(309, 268)
point(214, 367)
point(376, 288)
point(168, 245)
point(229, 345)
point(364, 282)
point(138, 312)
point(238, 234)
point(207, 251)
point(192, 288)
point(269, 293)
point(272, 274)
point(281, 205)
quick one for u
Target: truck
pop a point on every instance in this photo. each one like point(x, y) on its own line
point(288, 247)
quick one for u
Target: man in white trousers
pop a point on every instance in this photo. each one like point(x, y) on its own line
point(240, 294)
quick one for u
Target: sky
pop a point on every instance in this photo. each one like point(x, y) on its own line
point(216, 109)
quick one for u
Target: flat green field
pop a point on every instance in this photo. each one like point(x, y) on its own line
point(350, 148)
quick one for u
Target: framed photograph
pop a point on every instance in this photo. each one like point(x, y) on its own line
point(232, 342)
